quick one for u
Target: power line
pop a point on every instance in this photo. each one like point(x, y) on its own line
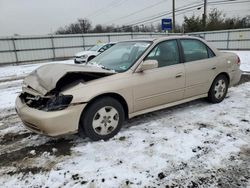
point(158, 16)
point(190, 10)
point(112, 4)
point(137, 12)
point(187, 6)
point(133, 13)
point(178, 10)
point(222, 1)
point(98, 10)
point(165, 14)
point(227, 2)
point(223, 11)
point(181, 13)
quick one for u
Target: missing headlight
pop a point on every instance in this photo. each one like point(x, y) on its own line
point(59, 102)
point(53, 103)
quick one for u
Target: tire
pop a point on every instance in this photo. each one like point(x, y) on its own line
point(103, 119)
point(218, 90)
point(77, 62)
point(90, 58)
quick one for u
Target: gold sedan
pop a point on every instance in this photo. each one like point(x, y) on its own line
point(131, 78)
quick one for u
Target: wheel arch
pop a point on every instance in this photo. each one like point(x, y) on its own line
point(91, 57)
point(221, 73)
point(225, 74)
point(211, 96)
point(116, 96)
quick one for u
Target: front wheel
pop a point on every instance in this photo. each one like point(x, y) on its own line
point(90, 58)
point(102, 119)
point(218, 90)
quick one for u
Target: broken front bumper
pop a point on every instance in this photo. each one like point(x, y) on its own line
point(79, 60)
point(53, 123)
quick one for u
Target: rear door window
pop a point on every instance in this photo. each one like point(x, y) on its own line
point(194, 50)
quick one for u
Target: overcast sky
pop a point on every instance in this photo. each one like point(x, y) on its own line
point(34, 17)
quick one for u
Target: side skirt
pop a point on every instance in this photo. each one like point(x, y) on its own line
point(166, 105)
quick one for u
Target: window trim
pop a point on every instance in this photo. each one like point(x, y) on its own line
point(207, 48)
point(178, 48)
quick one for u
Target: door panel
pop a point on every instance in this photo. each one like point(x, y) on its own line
point(158, 86)
point(200, 66)
point(198, 76)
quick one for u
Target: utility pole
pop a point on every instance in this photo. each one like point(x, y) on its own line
point(82, 23)
point(205, 14)
point(173, 26)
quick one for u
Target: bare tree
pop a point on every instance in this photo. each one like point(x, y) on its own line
point(81, 26)
point(85, 25)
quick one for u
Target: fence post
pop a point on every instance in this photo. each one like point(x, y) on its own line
point(53, 46)
point(132, 36)
point(228, 35)
point(109, 38)
point(83, 42)
point(15, 51)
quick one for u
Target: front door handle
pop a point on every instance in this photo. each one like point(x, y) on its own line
point(179, 75)
point(213, 68)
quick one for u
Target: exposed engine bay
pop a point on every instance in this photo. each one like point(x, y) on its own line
point(54, 100)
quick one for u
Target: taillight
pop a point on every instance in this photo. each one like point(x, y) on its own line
point(238, 60)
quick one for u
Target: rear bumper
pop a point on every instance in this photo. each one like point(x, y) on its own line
point(235, 77)
point(54, 123)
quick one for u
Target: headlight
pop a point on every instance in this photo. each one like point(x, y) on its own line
point(84, 56)
point(58, 103)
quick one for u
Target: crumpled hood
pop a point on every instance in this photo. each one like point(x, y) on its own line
point(45, 78)
point(88, 53)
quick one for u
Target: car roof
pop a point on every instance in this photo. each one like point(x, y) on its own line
point(108, 43)
point(161, 38)
point(103, 44)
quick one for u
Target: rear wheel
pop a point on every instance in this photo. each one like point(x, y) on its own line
point(102, 119)
point(218, 90)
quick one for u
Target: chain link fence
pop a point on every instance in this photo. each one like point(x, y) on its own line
point(25, 49)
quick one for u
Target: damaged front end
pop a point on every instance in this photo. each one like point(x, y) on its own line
point(46, 103)
point(43, 88)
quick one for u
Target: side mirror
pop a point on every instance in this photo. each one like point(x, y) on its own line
point(147, 65)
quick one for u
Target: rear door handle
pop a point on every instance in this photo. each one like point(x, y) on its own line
point(213, 68)
point(179, 75)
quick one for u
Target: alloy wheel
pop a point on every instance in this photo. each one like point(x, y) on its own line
point(220, 89)
point(105, 120)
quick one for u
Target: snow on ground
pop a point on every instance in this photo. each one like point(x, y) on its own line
point(245, 59)
point(15, 71)
point(192, 145)
point(9, 92)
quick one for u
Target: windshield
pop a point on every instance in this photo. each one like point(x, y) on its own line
point(95, 48)
point(121, 56)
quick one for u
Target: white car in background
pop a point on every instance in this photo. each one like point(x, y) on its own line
point(86, 56)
